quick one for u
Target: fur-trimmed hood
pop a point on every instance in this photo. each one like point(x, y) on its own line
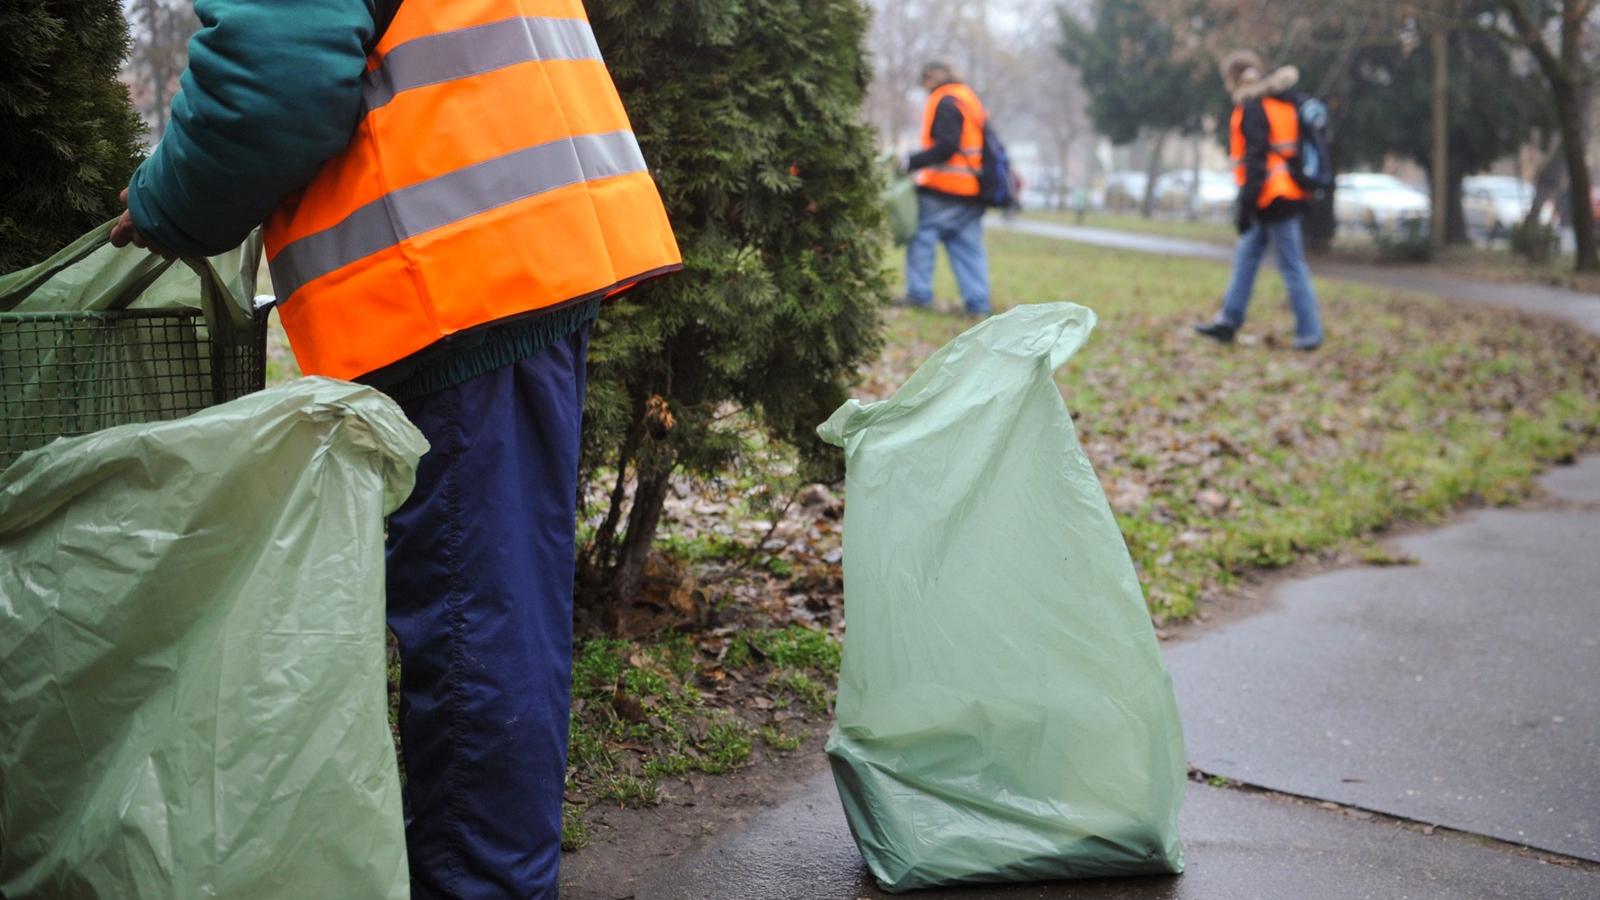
point(1279, 82)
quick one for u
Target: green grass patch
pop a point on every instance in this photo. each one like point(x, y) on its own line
point(640, 714)
point(626, 790)
point(800, 688)
point(727, 746)
point(574, 831)
point(793, 647)
point(777, 740)
point(1222, 459)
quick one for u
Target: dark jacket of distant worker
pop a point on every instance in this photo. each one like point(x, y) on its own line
point(1264, 142)
point(449, 189)
point(949, 208)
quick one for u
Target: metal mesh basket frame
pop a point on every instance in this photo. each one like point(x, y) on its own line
point(70, 373)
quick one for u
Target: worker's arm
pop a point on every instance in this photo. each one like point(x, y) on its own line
point(946, 131)
point(273, 90)
point(1257, 134)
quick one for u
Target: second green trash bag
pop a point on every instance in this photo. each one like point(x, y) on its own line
point(1003, 710)
point(192, 654)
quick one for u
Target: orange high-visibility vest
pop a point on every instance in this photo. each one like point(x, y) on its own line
point(1283, 137)
point(494, 173)
point(957, 175)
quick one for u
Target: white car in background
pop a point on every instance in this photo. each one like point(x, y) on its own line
point(1372, 200)
point(1124, 191)
point(1214, 199)
point(1492, 204)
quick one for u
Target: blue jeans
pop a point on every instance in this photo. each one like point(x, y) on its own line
point(1285, 238)
point(959, 224)
point(480, 570)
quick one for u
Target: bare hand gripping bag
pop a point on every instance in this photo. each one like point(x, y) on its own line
point(192, 654)
point(1003, 710)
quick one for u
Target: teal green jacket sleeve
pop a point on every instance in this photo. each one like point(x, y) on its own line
point(273, 90)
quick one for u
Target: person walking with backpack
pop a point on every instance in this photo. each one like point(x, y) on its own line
point(950, 204)
point(449, 190)
point(1265, 146)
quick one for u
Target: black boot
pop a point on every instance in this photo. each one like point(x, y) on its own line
point(1221, 332)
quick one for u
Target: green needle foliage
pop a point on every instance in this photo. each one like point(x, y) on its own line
point(748, 112)
point(68, 134)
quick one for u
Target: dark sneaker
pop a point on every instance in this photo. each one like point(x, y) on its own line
point(909, 303)
point(1307, 346)
point(1220, 332)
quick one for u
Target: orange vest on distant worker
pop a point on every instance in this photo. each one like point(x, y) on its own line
point(493, 173)
point(957, 175)
point(1283, 139)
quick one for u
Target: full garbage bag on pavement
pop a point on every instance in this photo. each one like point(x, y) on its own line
point(192, 654)
point(1003, 710)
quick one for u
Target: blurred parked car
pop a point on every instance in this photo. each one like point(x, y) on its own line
point(1375, 201)
point(1492, 204)
point(1049, 191)
point(1125, 191)
point(1214, 199)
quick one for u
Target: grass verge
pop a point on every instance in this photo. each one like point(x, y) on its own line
point(1223, 459)
point(652, 710)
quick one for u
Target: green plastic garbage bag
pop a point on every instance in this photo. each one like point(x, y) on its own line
point(91, 275)
point(1003, 710)
point(192, 654)
point(901, 199)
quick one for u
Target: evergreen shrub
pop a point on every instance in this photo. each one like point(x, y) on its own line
point(69, 138)
point(749, 114)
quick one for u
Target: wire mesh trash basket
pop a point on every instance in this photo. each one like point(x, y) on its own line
point(97, 337)
point(66, 374)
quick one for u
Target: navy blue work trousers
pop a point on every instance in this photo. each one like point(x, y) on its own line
point(480, 571)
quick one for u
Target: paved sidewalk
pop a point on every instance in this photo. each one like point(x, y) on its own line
point(1459, 691)
point(1576, 307)
point(1236, 846)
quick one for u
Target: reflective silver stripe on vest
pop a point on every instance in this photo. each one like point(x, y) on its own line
point(956, 170)
point(450, 55)
point(437, 202)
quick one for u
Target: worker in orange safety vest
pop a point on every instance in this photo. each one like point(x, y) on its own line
point(949, 206)
point(450, 189)
point(1264, 143)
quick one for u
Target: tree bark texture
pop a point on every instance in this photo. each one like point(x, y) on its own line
point(1564, 73)
point(648, 500)
point(1152, 172)
point(1438, 230)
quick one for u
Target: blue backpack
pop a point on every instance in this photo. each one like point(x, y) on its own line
point(1313, 168)
point(998, 183)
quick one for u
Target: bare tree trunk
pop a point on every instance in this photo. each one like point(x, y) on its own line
point(1564, 74)
point(1546, 182)
point(648, 499)
point(1194, 184)
point(1152, 172)
point(1455, 220)
point(603, 550)
point(1438, 230)
point(1570, 114)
